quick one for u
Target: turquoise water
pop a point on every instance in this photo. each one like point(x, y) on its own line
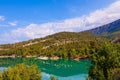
point(62, 69)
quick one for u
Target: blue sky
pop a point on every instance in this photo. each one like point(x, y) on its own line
point(27, 19)
point(41, 11)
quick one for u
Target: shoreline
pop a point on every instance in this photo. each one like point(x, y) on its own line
point(45, 57)
point(7, 57)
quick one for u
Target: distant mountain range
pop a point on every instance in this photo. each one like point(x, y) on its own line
point(110, 31)
point(108, 28)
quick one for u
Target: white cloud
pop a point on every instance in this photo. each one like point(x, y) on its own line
point(2, 18)
point(13, 23)
point(92, 20)
point(4, 23)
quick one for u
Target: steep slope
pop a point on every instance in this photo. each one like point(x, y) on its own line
point(108, 28)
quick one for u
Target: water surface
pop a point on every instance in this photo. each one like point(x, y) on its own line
point(62, 69)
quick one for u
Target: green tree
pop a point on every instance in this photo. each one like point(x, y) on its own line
point(105, 61)
point(0, 75)
point(53, 78)
point(22, 72)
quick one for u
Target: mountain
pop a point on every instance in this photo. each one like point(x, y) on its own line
point(108, 28)
point(63, 45)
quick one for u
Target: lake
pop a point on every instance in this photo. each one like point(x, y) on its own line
point(61, 69)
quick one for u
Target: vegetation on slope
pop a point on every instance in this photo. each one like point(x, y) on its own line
point(63, 45)
point(112, 35)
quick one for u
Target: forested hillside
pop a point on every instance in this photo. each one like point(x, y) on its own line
point(63, 45)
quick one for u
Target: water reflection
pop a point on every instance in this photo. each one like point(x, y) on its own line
point(60, 68)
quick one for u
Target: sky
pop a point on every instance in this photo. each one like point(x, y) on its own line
point(28, 19)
